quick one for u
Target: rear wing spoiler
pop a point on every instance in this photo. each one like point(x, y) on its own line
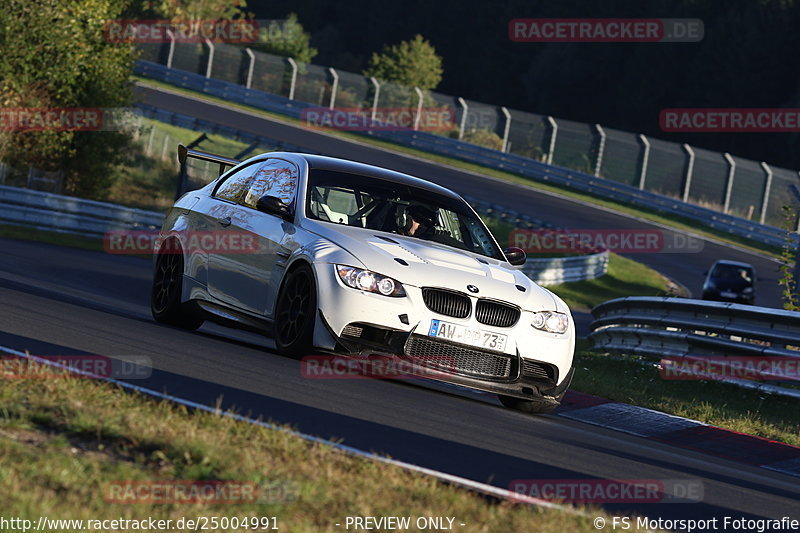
point(223, 162)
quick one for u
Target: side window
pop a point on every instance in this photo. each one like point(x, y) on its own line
point(235, 185)
point(275, 177)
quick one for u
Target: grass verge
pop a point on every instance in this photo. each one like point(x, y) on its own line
point(712, 402)
point(625, 277)
point(66, 442)
point(673, 221)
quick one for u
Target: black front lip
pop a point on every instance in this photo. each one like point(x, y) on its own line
point(517, 385)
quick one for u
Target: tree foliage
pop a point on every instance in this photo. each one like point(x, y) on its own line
point(413, 63)
point(54, 55)
point(286, 38)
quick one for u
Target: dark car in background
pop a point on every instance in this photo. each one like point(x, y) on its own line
point(730, 281)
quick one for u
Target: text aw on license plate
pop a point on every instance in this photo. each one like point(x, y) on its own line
point(465, 335)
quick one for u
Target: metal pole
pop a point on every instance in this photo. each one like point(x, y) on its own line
point(553, 135)
point(506, 129)
point(729, 184)
point(463, 124)
point(688, 181)
point(171, 53)
point(767, 187)
point(645, 160)
point(600, 149)
point(294, 77)
point(210, 58)
point(375, 98)
point(334, 87)
point(250, 67)
point(419, 107)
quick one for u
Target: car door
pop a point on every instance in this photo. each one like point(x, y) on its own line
point(247, 274)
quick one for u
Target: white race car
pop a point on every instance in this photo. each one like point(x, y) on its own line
point(338, 257)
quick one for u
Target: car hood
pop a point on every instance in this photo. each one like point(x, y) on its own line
point(429, 264)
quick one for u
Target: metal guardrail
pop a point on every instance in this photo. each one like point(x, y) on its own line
point(554, 270)
point(683, 329)
point(528, 167)
point(67, 214)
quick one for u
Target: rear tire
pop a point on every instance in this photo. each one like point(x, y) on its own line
point(165, 296)
point(295, 313)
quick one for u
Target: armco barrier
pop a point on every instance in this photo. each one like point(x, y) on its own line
point(54, 212)
point(555, 270)
point(527, 167)
point(66, 214)
point(680, 328)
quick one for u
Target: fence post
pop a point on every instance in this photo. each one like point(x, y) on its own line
point(171, 53)
point(463, 124)
point(767, 187)
point(553, 135)
point(210, 58)
point(334, 87)
point(645, 160)
point(294, 77)
point(250, 67)
point(689, 167)
point(375, 97)
point(729, 184)
point(506, 128)
point(600, 149)
point(418, 114)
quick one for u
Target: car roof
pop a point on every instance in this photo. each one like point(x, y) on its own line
point(733, 263)
point(354, 167)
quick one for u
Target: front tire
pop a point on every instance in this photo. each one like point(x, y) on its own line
point(295, 313)
point(165, 296)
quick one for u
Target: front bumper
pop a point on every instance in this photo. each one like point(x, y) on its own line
point(510, 375)
point(533, 365)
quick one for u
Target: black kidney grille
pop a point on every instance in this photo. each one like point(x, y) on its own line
point(497, 314)
point(448, 303)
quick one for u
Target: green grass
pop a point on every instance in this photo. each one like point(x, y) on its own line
point(625, 277)
point(670, 220)
point(712, 402)
point(64, 440)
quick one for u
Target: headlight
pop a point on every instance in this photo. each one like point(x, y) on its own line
point(551, 321)
point(365, 280)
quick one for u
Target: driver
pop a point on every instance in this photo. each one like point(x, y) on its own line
point(421, 221)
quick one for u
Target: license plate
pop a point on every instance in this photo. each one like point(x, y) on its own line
point(464, 335)
point(728, 294)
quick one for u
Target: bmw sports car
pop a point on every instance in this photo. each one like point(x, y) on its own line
point(329, 256)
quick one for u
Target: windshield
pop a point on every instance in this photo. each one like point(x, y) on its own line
point(381, 205)
point(732, 274)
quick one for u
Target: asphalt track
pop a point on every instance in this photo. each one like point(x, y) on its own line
point(63, 301)
point(685, 268)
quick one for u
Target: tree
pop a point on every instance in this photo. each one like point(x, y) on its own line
point(286, 38)
point(196, 9)
point(413, 63)
point(55, 55)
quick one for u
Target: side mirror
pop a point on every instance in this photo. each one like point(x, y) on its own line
point(515, 256)
point(273, 205)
